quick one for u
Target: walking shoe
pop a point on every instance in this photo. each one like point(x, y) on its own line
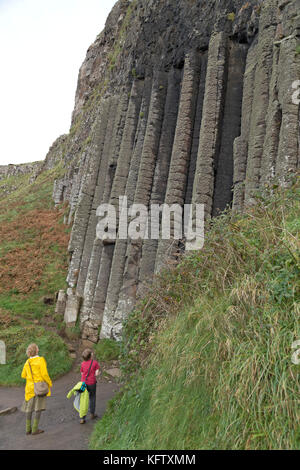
point(93, 416)
point(38, 431)
point(82, 421)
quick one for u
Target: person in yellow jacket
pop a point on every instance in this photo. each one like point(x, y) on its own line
point(34, 370)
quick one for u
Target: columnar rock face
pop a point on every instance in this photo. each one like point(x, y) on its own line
point(177, 103)
point(149, 249)
point(125, 299)
point(181, 151)
point(268, 145)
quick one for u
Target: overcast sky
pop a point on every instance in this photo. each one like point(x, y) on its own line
point(42, 45)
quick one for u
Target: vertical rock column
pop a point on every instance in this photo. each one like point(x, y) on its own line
point(118, 189)
point(113, 150)
point(97, 199)
point(147, 263)
point(230, 128)
point(180, 159)
point(112, 320)
point(240, 146)
point(210, 132)
point(273, 124)
point(288, 158)
point(196, 130)
point(119, 257)
point(74, 178)
point(72, 181)
point(86, 196)
point(258, 124)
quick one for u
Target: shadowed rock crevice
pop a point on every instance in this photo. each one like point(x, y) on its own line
point(230, 127)
point(196, 129)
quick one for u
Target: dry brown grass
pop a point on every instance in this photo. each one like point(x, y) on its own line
point(35, 234)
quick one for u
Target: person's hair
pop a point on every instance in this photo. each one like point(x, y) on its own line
point(87, 354)
point(32, 350)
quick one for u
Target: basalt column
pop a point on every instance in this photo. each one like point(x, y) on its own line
point(240, 146)
point(260, 106)
point(273, 124)
point(180, 159)
point(196, 130)
point(147, 263)
point(118, 188)
point(87, 190)
point(288, 157)
point(97, 199)
point(210, 132)
point(113, 150)
point(231, 125)
point(75, 174)
point(112, 320)
point(118, 262)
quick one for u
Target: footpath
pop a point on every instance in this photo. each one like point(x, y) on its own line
point(60, 421)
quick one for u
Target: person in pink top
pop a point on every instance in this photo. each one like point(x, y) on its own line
point(89, 370)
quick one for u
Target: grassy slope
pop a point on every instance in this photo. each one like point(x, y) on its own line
point(33, 264)
point(207, 355)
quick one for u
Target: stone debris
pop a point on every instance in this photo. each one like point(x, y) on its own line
point(116, 373)
point(8, 411)
point(72, 308)
point(61, 303)
point(2, 352)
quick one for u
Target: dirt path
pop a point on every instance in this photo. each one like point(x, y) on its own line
point(60, 421)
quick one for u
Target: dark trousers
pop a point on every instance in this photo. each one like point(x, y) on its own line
point(92, 395)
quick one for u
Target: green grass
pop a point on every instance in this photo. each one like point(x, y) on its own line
point(207, 354)
point(107, 350)
point(11, 184)
point(31, 196)
point(51, 346)
point(231, 16)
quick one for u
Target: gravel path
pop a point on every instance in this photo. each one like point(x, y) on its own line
point(60, 421)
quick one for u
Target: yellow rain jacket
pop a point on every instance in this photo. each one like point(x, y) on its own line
point(40, 374)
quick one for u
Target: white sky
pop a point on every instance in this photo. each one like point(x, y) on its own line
point(42, 46)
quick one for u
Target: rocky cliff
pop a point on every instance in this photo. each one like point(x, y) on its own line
point(6, 171)
point(177, 102)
